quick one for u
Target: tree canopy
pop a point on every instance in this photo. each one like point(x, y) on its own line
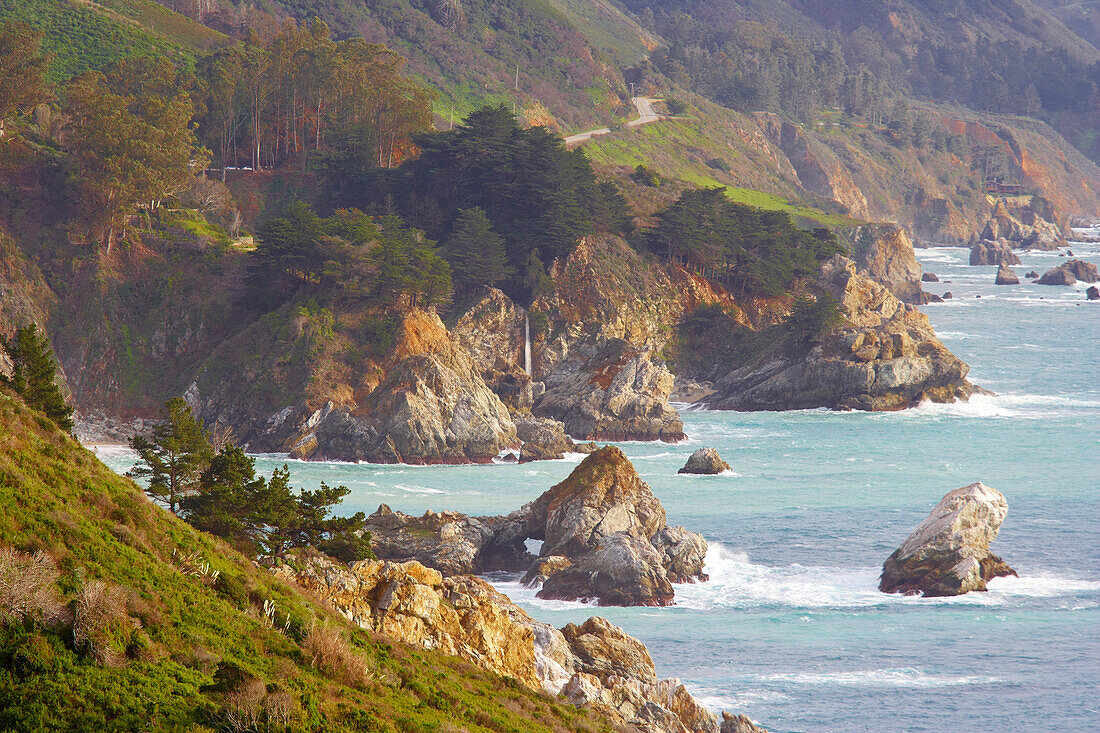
point(34, 375)
point(755, 251)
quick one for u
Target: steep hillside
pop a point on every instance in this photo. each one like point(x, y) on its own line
point(133, 620)
point(90, 35)
point(469, 50)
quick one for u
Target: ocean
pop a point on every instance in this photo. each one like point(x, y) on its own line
point(790, 629)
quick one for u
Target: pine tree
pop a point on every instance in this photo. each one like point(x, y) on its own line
point(176, 456)
point(476, 253)
point(34, 375)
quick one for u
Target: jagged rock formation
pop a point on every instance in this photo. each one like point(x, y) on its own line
point(492, 333)
point(884, 357)
point(602, 522)
point(1083, 271)
point(948, 553)
point(594, 663)
point(993, 252)
point(885, 253)
point(929, 277)
point(1037, 233)
point(621, 570)
point(705, 461)
point(617, 393)
point(1005, 276)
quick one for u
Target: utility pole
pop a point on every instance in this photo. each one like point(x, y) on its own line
point(632, 90)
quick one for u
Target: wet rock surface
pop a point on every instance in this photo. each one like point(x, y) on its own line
point(993, 252)
point(948, 553)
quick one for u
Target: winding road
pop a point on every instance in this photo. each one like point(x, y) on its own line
point(644, 105)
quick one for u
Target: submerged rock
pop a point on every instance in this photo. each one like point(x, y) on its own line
point(705, 461)
point(948, 553)
point(1032, 275)
point(1005, 276)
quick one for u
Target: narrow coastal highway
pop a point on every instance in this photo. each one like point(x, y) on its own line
point(644, 105)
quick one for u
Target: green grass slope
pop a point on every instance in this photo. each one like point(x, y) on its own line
point(176, 646)
point(89, 34)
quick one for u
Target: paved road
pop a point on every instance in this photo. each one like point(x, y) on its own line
point(644, 105)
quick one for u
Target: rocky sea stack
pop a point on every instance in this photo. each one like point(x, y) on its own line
point(705, 461)
point(948, 553)
point(603, 533)
point(1005, 276)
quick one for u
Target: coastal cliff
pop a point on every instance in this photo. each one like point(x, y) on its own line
point(594, 664)
point(883, 356)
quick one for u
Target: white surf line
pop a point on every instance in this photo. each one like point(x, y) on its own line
point(644, 105)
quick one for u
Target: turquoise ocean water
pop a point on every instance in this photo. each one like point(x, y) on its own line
point(790, 629)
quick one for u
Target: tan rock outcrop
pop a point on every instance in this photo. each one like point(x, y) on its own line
point(948, 553)
point(595, 663)
point(884, 357)
point(885, 253)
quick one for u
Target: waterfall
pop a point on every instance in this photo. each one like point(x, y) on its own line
point(527, 344)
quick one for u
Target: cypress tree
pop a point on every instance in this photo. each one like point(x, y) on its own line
point(34, 375)
point(476, 253)
point(176, 456)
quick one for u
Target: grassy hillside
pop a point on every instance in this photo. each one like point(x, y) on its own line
point(124, 626)
point(471, 57)
point(89, 34)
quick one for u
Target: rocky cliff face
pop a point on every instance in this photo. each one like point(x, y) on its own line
point(594, 663)
point(948, 553)
point(431, 406)
point(885, 254)
point(1036, 233)
point(884, 357)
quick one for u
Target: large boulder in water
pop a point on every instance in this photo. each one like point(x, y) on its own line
point(993, 252)
point(1060, 275)
point(705, 461)
point(1083, 271)
point(621, 571)
point(543, 439)
point(1005, 276)
point(1092, 293)
point(948, 553)
point(602, 496)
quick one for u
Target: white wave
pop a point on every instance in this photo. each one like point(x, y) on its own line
point(416, 489)
point(736, 582)
point(896, 677)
